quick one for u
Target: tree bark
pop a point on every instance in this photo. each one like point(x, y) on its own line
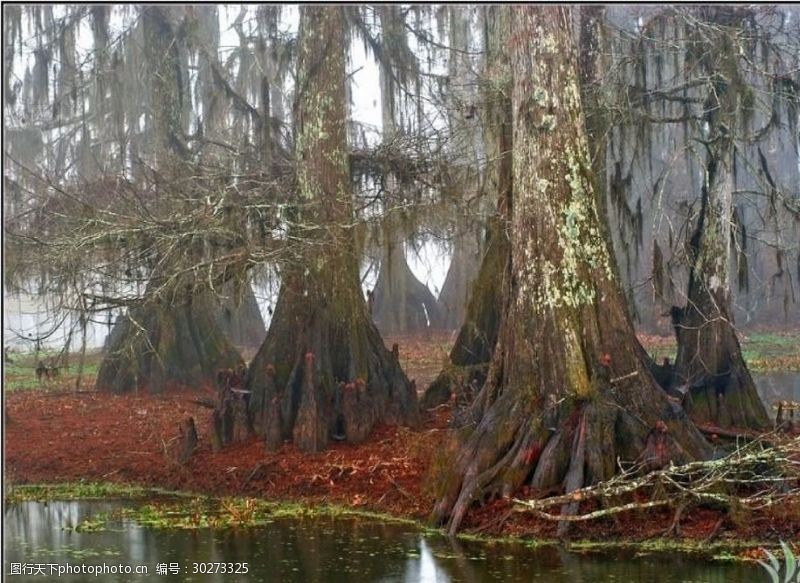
point(568, 392)
point(593, 63)
point(472, 351)
point(240, 318)
point(188, 440)
point(323, 372)
point(709, 362)
point(166, 96)
point(162, 345)
point(402, 304)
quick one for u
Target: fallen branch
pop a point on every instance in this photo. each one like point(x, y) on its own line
point(597, 513)
point(734, 434)
point(258, 472)
point(757, 475)
point(400, 489)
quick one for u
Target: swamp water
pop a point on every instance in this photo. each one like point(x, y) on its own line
point(316, 550)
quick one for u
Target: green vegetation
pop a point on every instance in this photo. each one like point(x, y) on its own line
point(721, 550)
point(94, 524)
point(20, 375)
point(79, 491)
point(210, 512)
point(218, 513)
point(186, 510)
point(763, 351)
point(179, 510)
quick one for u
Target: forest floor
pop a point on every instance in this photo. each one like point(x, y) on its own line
point(59, 435)
point(421, 356)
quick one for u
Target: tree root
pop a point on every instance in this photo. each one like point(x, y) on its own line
point(675, 525)
point(772, 472)
point(403, 492)
point(718, 527)
point(333, 381)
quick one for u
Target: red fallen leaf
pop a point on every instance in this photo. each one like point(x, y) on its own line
point(37, 452)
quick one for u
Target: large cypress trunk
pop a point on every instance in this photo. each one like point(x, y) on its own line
point(323, 371)
point(568, 390)
point(173, 339)
point(709, 363)
point(165, 344)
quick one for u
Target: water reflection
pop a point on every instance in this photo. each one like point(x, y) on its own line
point(322, 550)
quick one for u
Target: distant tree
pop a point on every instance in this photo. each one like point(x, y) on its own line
point(466, 148)
point(402, 303)
point(174, 339)
point(140, 189)
point(473, 348)
point(710, 86)
point(709, 360)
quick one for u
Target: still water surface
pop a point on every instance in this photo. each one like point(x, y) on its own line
point(325, 550)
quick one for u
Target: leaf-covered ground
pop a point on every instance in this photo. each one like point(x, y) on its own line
point(56, 435)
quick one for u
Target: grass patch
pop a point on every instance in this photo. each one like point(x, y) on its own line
point(20, 375)
point(767, 351)
point(727, 550)
point(229, 512)
point(78, 491)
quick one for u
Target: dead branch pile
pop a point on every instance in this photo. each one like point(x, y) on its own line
point(756, 475)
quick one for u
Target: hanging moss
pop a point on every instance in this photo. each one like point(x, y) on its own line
point(567, 370)
point(323, 372)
